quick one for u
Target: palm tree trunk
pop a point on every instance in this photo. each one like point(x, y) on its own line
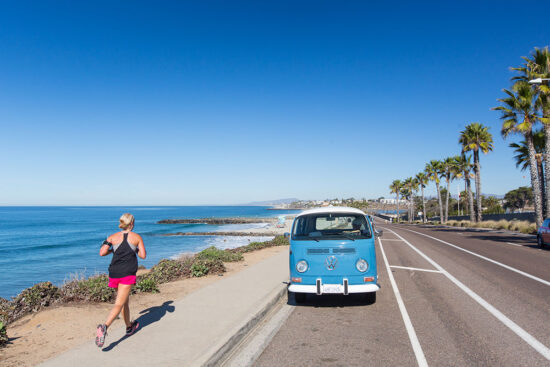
point(397, 219)
point(470, 198)
point(542, 185)
point(534, 178)
point(546, 129)
point(440, 202)
point(423, 205)
point(477, 169)
point(447, 200)
point(412, 206)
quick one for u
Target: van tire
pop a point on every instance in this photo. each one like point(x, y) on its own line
point(300, 297)
point(370, 298)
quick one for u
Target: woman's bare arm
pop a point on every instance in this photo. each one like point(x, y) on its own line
point(106, 248)
point(141, 247)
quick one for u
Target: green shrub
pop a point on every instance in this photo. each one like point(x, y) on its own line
point(254, 246)
point(146, 284)
point(199, 269)
point(215, 253)
point(3, 335)
point(92, 289)
point(33, 299)
point(169, 270)
point(209, 266)
point(6, 308)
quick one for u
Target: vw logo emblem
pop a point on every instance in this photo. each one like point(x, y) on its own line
point(331, 262)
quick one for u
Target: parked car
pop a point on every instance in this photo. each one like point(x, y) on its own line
point(543, 234)
point(332, 252)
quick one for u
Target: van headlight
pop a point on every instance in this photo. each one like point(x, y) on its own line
point(301, 266)
point(362, 265)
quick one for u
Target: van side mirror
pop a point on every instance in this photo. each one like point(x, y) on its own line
point(287, 235)
point(378, 233)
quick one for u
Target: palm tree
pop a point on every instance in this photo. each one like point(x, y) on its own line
point(522, 161)
point(422, 180)
point(519, 115)
point(395, 188)
point(538, 66)
point(449, 173)
point(433, 171)
point(408, 192)
point(464, 166)
point(476, 137)
point(410, 186)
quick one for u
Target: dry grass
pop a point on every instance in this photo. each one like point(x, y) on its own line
point(513, 225)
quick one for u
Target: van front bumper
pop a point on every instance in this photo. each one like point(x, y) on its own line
point(320, 288)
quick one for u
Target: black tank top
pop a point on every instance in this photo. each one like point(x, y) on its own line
point(124, 262)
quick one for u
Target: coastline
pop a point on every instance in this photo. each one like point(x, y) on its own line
point(39, 336)
point(36, 327)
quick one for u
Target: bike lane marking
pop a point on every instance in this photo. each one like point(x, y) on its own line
point(417, 348)
point(545, 282)
point(528, 338)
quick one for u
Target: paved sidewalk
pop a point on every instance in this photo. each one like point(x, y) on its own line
point(189, 331)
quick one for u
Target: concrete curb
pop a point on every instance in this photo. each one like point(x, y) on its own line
point(236, 338)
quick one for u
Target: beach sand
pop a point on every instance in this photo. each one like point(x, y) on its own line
point(45, 334)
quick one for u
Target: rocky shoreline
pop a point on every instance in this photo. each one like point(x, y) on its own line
point(241, 234)
point(218, 221)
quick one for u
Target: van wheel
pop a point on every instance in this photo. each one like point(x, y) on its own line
point(300, 297)
point(540, 242)
point(370, 298)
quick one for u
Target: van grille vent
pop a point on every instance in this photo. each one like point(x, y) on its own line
point(317, 251)
point(343, 250)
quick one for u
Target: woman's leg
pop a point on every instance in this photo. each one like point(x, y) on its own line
point(123, 292)
point(126, 312)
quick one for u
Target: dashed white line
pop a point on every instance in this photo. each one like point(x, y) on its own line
point(417, 348)
point(514, 244)
point(482, 257)
point(414, 269)
point(528, 338)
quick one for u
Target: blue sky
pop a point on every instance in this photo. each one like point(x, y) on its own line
point(181, 103)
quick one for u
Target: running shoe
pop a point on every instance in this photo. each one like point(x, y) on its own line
point(132, 328)
point(101, 334)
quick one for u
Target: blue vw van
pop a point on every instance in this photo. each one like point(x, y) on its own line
point(332, 252)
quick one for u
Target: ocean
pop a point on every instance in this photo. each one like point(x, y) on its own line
point(56, 243)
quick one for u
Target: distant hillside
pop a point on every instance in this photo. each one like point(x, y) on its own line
point(272, 202)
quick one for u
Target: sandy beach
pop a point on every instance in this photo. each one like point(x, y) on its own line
point(45, 334)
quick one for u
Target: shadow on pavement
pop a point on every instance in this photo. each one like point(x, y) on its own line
point(148, 316)
point(329, 300)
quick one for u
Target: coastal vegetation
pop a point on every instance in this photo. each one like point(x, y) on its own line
point(95, 289)
point(525, 111)
point(522, 226)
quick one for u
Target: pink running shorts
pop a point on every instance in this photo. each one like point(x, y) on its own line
point(114, 282)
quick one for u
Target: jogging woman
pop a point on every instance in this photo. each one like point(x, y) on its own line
point(122, 273)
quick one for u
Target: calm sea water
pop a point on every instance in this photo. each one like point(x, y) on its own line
point(54, 243)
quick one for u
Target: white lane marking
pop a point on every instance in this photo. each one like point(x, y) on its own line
point(414, 269)
point(528, 338)
point(483, 257)
point(417, 348)
point(514, 244)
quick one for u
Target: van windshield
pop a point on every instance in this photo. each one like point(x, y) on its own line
point(330, 226)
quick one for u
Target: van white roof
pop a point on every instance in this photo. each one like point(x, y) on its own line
point(331, 209)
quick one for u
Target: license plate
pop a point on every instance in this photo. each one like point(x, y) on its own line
point(333, 288)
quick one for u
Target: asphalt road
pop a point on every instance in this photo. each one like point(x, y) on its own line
point(477, 299)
